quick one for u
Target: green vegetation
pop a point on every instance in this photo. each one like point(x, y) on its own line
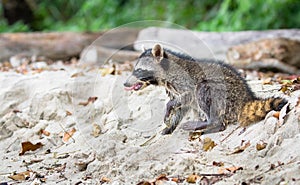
point(205, 15)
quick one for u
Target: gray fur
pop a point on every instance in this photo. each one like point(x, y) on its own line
point(208, 86)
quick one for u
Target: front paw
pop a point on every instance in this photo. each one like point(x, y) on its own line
point(170, 107)
point(167, 130)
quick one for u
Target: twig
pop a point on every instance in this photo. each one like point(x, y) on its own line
point(230, 133)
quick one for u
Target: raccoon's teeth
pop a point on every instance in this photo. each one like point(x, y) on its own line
point(137, 86)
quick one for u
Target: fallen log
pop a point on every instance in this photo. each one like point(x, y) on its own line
point(55, 46)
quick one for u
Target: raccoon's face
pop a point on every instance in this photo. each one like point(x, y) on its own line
point(146, 69)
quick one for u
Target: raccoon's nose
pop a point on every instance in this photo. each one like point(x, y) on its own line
point(126, 84)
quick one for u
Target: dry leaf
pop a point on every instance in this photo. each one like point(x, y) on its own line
point(241, 148)
point(45, 132)
point(194, 135)
point(77, 74)
point(208, 144)
point(261, 145)
point(105, 179)
point(96, 130)
point(68, 135)
point(21, 176)
point(16, 111)
point(162, 177)
point(193, 178)
point(90, 100)
point(68, 113)
point(108, 70)
point(28, 146)
point(219, 164)
point(175, 179)
point(233, 169)
point(145, 183)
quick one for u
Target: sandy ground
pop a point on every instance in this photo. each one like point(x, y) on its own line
point(117, 138)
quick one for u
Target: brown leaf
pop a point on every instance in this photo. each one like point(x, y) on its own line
point(162, 177)
point(90, 100)
point(145, 183)
point(241, 148)
point(208, 144)
point(68, 113)
point(28, 146)
point(233, 169)
point(175, 179)
point(77, 74)
point(96, 130)
point(108, 70)
point(45, 132)
point(219, 164)
point(105, 179)
point(16, 111)
point(261, 145)
point(21, 176)
point(194, 135)
point(68, 135)
point(193, 178)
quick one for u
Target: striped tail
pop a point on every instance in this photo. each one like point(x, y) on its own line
point(256, 110)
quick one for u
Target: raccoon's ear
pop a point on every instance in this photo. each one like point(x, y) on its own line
point(158, 52)
point(143, 48)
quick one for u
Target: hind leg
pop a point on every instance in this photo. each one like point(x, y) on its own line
point(204, 126)
point(212, 101)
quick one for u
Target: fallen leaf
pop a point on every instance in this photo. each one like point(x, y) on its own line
point(285, 89)
point(96, 130)
point(68, 113)
point(192, 178)
point(16, 111)
point(45, 132)
point(77, 74)
point(241, 148)
point(108, 70)
point(28, 146)
point(90, 100)
point(175, 179)
point(261, 145)
point(145, 183)
point(105, 179)
point(68, 135)
point(194, 135)
point(162, 177)
point(233, 169)
point(21, 176)
point(208, 144)
point(219, 164)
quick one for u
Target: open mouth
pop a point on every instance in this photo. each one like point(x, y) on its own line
point(136, 87)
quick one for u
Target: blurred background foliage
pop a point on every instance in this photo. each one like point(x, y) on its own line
point(95, 15)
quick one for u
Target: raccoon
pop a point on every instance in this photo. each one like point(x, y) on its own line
point(200, 85)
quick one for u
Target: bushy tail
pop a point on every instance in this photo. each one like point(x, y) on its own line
point(256, 110)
